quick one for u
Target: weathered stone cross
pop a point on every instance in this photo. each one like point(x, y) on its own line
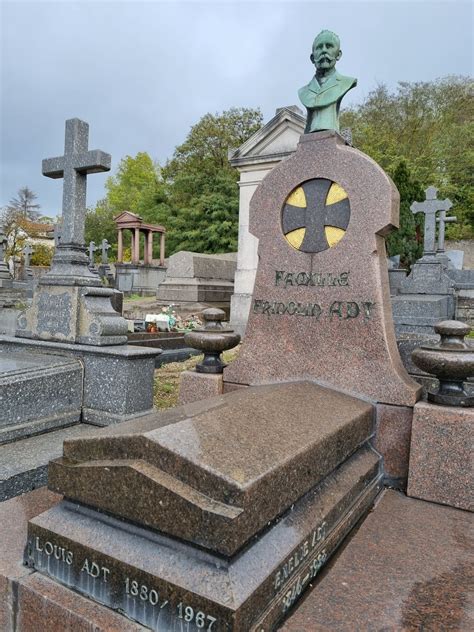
point(430, 207)
point(92, 249)
point(74, 167)
point(27, 252)
point(105, 251)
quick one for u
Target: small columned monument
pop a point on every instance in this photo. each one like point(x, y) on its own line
point(70, 304)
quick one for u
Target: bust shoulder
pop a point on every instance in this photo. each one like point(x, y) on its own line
point(347, 82)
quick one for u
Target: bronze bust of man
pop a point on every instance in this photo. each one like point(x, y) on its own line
point(323, 95)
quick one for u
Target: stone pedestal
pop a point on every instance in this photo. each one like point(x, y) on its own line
point(441, 463)
point(194, 386)
point(425, 297)
point(74, 314)
point(218, 513)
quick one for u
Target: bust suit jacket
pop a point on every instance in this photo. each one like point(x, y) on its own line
point(322, 101)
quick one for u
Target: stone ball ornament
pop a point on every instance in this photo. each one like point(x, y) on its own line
point(212, 340)
point(451, 360)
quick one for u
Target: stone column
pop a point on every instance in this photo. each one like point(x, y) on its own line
point(162, 249)
point(132, 246)
point(149, 247)
point(136, 249)
point(120, 246)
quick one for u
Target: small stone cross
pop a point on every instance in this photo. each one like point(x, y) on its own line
point(430, 207)
point(74, 167)
point(27, 252)
point(92, 249)
point(105, 251)
point(442, 221)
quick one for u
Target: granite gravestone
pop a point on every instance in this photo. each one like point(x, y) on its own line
point(70, 304)
point(215, 515)
point(322, 281)
point(427, 295)
point(71, 312)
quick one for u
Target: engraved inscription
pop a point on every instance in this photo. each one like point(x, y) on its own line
point(342, 310)
point(54, 313)
point(95, 570)
point(302, 580)
point(311, 279)
point(288, 569)
point(60, 553)
point(133, 595)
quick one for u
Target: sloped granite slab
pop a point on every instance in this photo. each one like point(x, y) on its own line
point(169, 585)
point(221, 473)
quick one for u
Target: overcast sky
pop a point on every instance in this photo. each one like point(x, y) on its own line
point(141, 73)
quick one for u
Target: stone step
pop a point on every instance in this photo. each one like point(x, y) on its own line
point(222, 473)
point(24, 463)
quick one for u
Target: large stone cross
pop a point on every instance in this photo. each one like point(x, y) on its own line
point(105, 251)
point(430, 207)
point(74, 167)
point(27, 252)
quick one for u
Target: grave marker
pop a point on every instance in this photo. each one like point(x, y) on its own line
point(92, 249)
point(430, 207)
point(87, 316)
point(105, 247)
point(27, 252)
point(322, 283)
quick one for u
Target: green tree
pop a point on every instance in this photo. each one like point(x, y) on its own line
point(100, 225)
point(42, 255)
point(202, 195)
point(407, 240)
point(429, 125)
point(138, 187)
point(135, 185)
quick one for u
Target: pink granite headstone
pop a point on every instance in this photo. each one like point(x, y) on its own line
point(321, 304)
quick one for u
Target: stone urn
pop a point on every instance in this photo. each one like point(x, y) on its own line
point(212, 340)
point(451, 360)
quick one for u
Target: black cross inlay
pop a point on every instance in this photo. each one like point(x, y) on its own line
point(316, 215)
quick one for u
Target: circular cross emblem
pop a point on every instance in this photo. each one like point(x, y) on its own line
point(316, 215)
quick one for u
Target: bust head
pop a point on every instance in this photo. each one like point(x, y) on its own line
point(326, 52)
